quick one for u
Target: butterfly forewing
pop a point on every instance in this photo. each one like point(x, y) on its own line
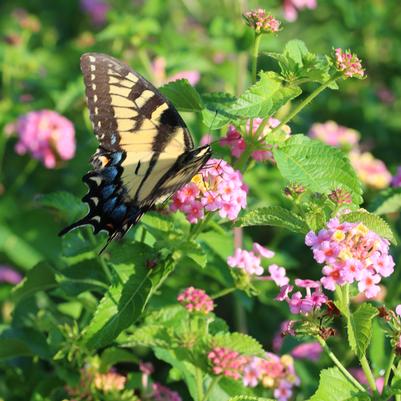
point(146, 152)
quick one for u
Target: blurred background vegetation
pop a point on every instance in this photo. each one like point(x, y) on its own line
point(40, 45)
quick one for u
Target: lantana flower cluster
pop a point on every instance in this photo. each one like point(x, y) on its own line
point(349, 64)
point(291, 7)
point(273, 372)
point(261, 21)
point(250, 261)
point(196, 300)
point(373, 172)
point(334, 134)
point(262, 151)
point(351, 253)
point(312, 300)
point(47, 136)
point(218, 187)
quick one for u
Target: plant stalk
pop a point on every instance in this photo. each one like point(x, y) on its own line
point(214, 381)
point(339, 365)
point(255, 54)
point(304, 103)
point(199, 384)
point(389, 368)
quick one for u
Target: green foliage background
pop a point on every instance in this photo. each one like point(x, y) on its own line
point(189, 35)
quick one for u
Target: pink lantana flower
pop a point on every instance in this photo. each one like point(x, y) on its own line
point(196, 300)
point(278, 275)
point(96, 9)
point(349, 64)
point(261, 150)
point(310, 351)
point(371, 171)
point(160, 76)
point(47, 136)
point(335, 135)
point(217, 187)
point(250, 261)
point(360, 256)
point(261, 21)
point(291, 7)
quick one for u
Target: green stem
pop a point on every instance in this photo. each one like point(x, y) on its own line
point(363, 361)
point(215, 380)
point(339, 365)
point(255, 54)
point(199, 383)
point(200, 226)
point(23, 176)
point(389, 368)
point(368, 373)
point(304, 103)
point(224, 292)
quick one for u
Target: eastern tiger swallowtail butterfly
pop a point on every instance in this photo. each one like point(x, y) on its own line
point(145, 152)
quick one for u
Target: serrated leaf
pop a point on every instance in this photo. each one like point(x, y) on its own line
point(333, 386)
point(66, 203)
point(125, 300)
point(238, 342)
point(264, 97)
point(40, 278)
point(215, 114)
point(298, 63)
point(146, 336)
point(388, 201)
point(118, 309)
point(317, 166)
point(372, 221)
point(273, 216)
point(359, 328)
point(184, 96)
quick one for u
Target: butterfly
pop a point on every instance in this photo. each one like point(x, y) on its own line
point(145, 152)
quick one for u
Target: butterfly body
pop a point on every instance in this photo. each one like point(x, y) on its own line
point(145, 153)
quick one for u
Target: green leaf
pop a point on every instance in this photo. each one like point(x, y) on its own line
point(66, 203)
point(359, 327)
point(388, 201)
point(12, 348)
point(125, 300)
point(112, 356)
point(23, 342)
point(264, 97)
point(317, 166)
point(333, 386)
point(184, 96)
point(274, 216)
point(297, 63)
point(40, 278)
point(215, 115)
point(238, 342)
point(180, 361)
point(372, 221)
point(118, 309)
point(146, 336)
